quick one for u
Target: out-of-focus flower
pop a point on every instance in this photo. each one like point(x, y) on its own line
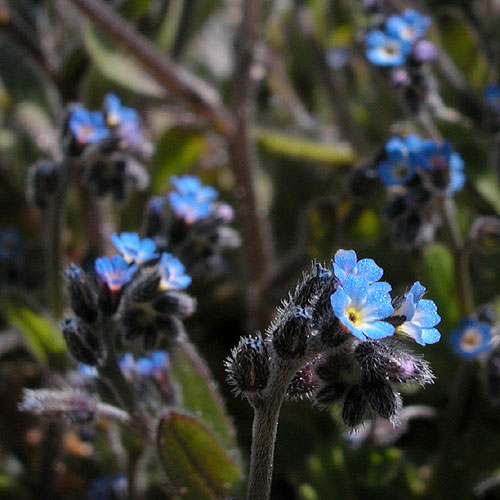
point(173, 273)
point(125, 120)
point(360, 307)
point(386, 50)
point(192, 201)
point(420, 316)
point(492, 96)
point(410, 26)
point(10, 244)
point(133, 248)
point(471, 338)
point(87, 127)
point(114, 271)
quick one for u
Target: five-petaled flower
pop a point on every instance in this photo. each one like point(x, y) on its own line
point(384, 49)
point(114, 271)
point(396, 169)
point(192, 201)
point(125, 120)
point(133, 248)
point(471, 338)
point(410, 26)
point(420, 317)
point(173, 273)
point(87, 127)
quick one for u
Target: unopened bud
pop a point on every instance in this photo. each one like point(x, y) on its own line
point(354, 408)
point(175, 303)
point(145, 288)
point(303, 383)
point(291, 335)
point(330, 393)
point(83, 344)
point(382, 398)
point(248, 366)
point(82, 294)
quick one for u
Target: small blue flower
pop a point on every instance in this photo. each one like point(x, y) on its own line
point(421, 316)
point(133, 249)
point(360, 307)
point(346, 264)
point(192, 201)
point(410, 26)
point(156, 204)
point(153, 365)
point(108, 488)
point(173, 273)
point(87, 127)
point(87, 370)
point(472, 337)
point(492, 96)
point(115, 272)
point(126, 120)
point(127, 365)
point(10, 244)
point(385, 50)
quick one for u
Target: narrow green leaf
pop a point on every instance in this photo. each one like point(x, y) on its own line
point(118, 66)
point(176, 151)
point(201, 397)
point(42, 336)
point(487, 185)
point(196, 466)
point(303, 149)
point(170, 25)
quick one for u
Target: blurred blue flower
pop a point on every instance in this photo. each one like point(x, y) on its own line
point(410, 26)
point(87, 370)
point(192, 201)
point(472, 337)
point(424, 51)
point(127, 365)
point(133, 249)
point(386, 50)
point(156, 204)
point(153, 365)
point(126, 120)
point(346, 264)
point(87, 127)
point(115, 272)
point(396, 169)
point(173, 273)
point(108, 488)
point(10, 244)
point(492, 96)
point(421, 316)
point(360, 307)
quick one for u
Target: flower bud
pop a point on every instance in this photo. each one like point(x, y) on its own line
point(330, 393)
point(175, 303)
point(145, 288)
point(382, 398)
point(303, 383)
point(82, 294)
point(83, 344)
point(42, 182)
point(307, 290)
point(248, 366)
point(291, 335)
point(354, 408)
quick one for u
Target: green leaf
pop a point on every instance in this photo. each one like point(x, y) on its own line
point(303, 149)
point(44, 339)
point(440, 281)
point(176, 151)
point(196, 466)
point(118, 66)
point(487, 185)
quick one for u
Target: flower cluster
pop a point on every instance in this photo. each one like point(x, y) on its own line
point(345, 334)
point(141, 288)
point(416, 172)
point(397, 45)
point(198, 227)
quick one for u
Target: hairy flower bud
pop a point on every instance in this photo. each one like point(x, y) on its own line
point(145, 288)
point(82, 294)
point(303, 383)
point(354, 408)
point(330, 393)
point(291, 334)
point(308, 288)
point(83, 344)
point(248, 366)
point(175, 303)
point(382, 398)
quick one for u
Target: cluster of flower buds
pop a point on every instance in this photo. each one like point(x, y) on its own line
point(193, 224)
point(395, 43)
point(345, 334)
point(416, 172)
point(140, 289)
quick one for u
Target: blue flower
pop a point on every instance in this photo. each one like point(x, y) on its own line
point(472, 337)
point(435, 157)
point(173, 273)
point(156, 204)
point(386, 50)
point(115, 272)
point(127, 365)
point(192, 201)
point(125, 120)
point(87, 370)
point(107, 488)
point(492, 96)
point(87, 127)
point(421, 316)
point(10, 244)
point(133, 249)
point(410, 26)
point(152, 366)
point(360, 307)
point(346, 264)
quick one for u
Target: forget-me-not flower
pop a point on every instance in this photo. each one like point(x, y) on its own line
point(192, 201)
point(492, 96)
point(87, 127)
point(114, 271)
point(125, 119)
point(386, 50)
point(472, 337)
point(346, 264)
point(360, 306)
point(152, 365)
point(421, 316)
point(410, 26)
point(133, 248)
point(173, 273)
point(396, 169)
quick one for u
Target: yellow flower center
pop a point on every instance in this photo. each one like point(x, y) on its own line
point(470, 340)
point(354, 316)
